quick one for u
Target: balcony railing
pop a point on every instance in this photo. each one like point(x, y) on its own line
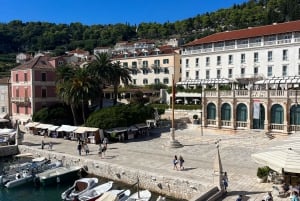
point(241, 124)
point(225, 123)
point(278, 127)
point(211, 122)
point(20, 99)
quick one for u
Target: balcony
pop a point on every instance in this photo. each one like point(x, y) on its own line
point(20, 99)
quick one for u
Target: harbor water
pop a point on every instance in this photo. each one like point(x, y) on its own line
point(30, 192)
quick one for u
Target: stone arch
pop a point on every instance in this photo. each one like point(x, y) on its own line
point(225, 112)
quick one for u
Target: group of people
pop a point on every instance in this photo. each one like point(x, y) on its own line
point(83, 146)
point(177, 161)
point(50, 145)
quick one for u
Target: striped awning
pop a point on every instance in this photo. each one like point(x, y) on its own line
point(280, 80)
point(206, 81)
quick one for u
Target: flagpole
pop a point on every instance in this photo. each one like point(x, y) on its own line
point(173, 143)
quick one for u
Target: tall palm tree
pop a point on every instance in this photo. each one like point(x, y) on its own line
point(83, 88)
point(101, 69)
point(117, 75)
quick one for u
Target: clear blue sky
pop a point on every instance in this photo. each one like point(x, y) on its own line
point(90, 12)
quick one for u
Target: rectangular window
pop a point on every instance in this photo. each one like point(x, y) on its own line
point(255, 56)
point(25, 77)
point(197, 75)
point(134, 81)
point(166, 61)
point(284, 55)
point(156, 81)
point(17, 93)
point(145, 81)
point(17, 78)
point(197, 62)
point(230, 73)
point(270, 56)
point(186, 63)
point(218, 60)
point(166, 70)
point(230, 59)
point(255, 70)
point(18, 109)
point(44, 93)
point(207, 61)
point(299, 53)
point(270, 71)
point(125, 64)
point(187, 74)
point(207, 74)
point(134, 64)
point(243, 58)
point(284, 70)
point(156, 63)
point(44, 77)
point(218, 73)
point(145, 71)
point(145, 64)
point(166, 81)
point(134, 72)
point(242, 71)
point(298, 69)
point(26, 109)
point(156, 70)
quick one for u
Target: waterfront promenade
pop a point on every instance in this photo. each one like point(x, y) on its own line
point(150, 154)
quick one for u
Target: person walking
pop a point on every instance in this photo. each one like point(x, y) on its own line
point(105, 142)
point(104, 149)
point(181, 161)
point(50, 146)
point(86, 148)
point(79, 147)
point(175, 161)
point(268, 197)
point(100, 150)
point(43, 144)
point(240, 197)
point(225, 181)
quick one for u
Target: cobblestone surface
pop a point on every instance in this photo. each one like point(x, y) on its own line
point(150, 154)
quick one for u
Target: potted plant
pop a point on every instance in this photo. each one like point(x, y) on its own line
point(196, 120)
point(262, 173)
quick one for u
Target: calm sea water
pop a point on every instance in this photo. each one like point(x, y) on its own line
point(48, 193)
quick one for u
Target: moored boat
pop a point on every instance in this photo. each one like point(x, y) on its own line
point(79, 187)
point(115, 195)
point(59, 175)
point(142, 195)
point(96, 192)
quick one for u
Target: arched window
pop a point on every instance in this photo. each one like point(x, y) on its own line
point(225, 112)
point(295, 115)
point(277, 114)
point(211, 111)
point(241, 112)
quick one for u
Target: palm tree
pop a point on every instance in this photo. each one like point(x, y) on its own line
point(101, 69)
point(64, 75)
point(119, 74)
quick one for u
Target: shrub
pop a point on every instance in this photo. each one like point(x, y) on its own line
point(263, 171)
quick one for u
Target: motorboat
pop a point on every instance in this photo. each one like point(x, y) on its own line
point(142, 195)
point(79, 187)
point(115, 195)
point(96, 192)
point(59, 175)
point(23, 176)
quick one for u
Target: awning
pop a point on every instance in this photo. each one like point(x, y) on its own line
point(66, 128)
point(7, 131)
point(31, 124)
point(287, 160)
point(85, 129)
point(139, 126)
point(53, 128)
point(117, 130)
point(3, 115)
point(44, 126)
point(206, 81)
point(280, 80)
point(4, 120)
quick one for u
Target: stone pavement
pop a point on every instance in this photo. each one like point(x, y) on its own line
point(150, 154)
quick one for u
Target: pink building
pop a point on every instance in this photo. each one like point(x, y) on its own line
point(33, 87)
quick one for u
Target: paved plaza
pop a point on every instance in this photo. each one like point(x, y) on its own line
point(150, 154)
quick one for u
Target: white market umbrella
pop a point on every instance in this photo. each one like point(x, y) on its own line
point(287, 160)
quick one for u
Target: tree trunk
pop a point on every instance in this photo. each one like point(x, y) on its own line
point(115, 93)
point(74, 115)
point(83, 111)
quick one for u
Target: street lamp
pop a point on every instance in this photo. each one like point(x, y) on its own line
point(201, 117)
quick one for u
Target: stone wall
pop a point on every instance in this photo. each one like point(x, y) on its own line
point(170, 186)
point(9, 150)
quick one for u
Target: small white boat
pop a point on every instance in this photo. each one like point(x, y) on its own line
point(79, 187)
point(58, 175)
point(96, 192)
point(142, 195)
point(27, 175)
point(115, 195)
